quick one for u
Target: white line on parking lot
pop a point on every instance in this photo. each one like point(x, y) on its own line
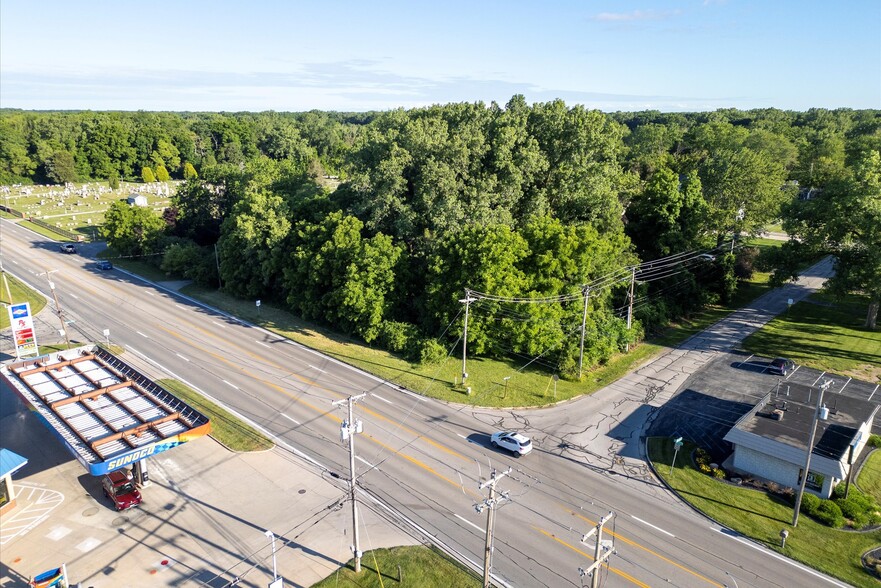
point(873, 391)
point(182, 357)
point(142, 335)
point(845, 385)
point(781, 558)
point(469, 522)
point(231, 384)
point(653, 527)
point(295, 421)
point(746, 360)
point(378, 397)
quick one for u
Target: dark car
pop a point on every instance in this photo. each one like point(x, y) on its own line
point(67, 248)
point(119, 487)
point(104, 265)
point(781, 366)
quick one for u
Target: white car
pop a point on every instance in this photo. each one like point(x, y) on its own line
point(514, 442)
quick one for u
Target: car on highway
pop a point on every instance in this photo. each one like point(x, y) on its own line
point(781, 366)
point(119, 486)
point(516, 443)
point(104, 265)
point(67, 248)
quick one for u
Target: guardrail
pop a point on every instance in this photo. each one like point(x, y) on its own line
point(63, 232)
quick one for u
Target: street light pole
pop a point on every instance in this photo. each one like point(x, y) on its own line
point(57, 307)
point(348, 429)
point(467, 300)
point(820, 412)
point(271, 536)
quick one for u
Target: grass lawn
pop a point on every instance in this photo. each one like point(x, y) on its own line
point(225, 428)
point(526, 386)
point(825, 334)
point(761, 517)
point(425, 567)
point(20, 293)
point(869, 480)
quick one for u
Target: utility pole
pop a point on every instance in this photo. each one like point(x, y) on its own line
point(467, 300)
point(490, 503)
point(821, 412)
point(599, 559)
point(57, 306)
point(586, 292)
point(630, 296)
point(348, 429)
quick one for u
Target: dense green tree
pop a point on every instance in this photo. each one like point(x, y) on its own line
point(61, 168)
point(844, 219)
point(190, 171)
point(147, 175)
point(162, 174)
point(131, 230)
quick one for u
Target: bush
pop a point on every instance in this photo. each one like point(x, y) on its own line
point(861, 509)
point(430, 351)
point(397, 337)
point(829, 514)
point(704, 468)
point(701, 456)
point(147, 175)
point(744, 265)
point(874, 440)
point(718, 473)
point(809, 504)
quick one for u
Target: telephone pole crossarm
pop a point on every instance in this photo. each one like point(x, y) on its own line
point(599, 558)
point(490, 504)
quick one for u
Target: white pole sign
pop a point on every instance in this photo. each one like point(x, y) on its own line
point(23, 330)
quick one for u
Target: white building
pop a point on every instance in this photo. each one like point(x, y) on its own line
point(770, 441)
point(136, 200)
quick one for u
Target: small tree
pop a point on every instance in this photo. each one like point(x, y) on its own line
point(147, 175)
point(162, 173)
point(113, 180)
point(190, 171)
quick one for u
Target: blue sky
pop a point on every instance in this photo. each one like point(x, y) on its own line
point(256, 55)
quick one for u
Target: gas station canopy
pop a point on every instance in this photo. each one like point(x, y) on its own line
point(106, 413)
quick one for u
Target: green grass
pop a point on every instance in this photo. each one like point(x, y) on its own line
point(425, 567)
point(760, 516)
point(526, 387)
point(20, 293)
point(825, 334)
point(869, 480)
point(225, 427)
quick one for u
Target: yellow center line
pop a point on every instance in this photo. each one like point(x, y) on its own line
point(658, 555)
point(318, 386)
point(624, 575)
point(325, 413)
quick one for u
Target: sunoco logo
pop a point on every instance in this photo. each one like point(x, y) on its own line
point(131, 457)
point(19, 311)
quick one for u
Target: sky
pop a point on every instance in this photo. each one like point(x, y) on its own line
point(292, 56)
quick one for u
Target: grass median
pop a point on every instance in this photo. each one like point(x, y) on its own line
point(760, 516)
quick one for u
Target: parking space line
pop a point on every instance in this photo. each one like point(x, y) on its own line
point(873, 391)
point(36, 504)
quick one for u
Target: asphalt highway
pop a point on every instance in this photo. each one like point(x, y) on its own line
point(424, 460)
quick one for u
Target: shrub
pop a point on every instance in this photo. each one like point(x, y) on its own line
point(701, 456)
point(829, 514)
point(397, 337)
point(718, 473)
point(704, 468)
point(809, 504)
point(162, 173)
point(860, 508)
point(744, 265)
point(430, 351)
point(875, 440)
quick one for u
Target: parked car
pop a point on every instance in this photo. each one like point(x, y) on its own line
point(104, 265)
point(67, 248)
point(781, 366)
point(119, 486)
point(516, 443)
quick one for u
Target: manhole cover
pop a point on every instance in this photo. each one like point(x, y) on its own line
point(90, 511)
point(301, 492)
point(119, 521)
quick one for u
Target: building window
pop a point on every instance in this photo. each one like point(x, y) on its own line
point(4, 492)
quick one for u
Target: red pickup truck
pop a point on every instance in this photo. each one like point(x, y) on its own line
point(119, 486)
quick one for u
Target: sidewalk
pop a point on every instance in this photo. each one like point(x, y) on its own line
point(202, 523)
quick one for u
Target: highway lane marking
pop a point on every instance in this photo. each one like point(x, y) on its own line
point(462, 436)
point(181, 307)
point(295, 421)
point(658, 555)
point(362, 460)
point(262, 343)
point(182, 357)
point(332, 416)
point(748, 543)
point(378, 397)
point(463, 519)
point(624, 575)
point(150, 293)
point(142, 335)
point(230, 384)
point(72, 295)
point(315, 368)
point(653, 527)
point(219, 325)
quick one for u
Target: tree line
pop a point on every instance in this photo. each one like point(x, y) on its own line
point(525, 202)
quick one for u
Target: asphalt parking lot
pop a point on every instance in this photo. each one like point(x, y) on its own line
point(713, 398)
